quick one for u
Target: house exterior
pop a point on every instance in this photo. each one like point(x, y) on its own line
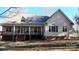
point(24, 27)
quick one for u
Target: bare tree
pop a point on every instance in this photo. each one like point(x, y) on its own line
point(77, 22)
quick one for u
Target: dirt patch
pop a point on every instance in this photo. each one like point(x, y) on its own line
point(66, 45)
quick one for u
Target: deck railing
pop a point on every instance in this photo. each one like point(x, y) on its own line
point(20, 33)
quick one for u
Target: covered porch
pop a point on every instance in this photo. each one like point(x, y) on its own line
point(22, 32)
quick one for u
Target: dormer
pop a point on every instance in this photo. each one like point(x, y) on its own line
point(23, 19)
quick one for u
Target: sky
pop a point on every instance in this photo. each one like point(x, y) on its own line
point(46, 11)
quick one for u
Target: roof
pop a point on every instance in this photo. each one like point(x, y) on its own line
point(35, 20)
point(63, 15)
point(28, 18)
point(32, 20)
point(24, 18)
point(18, 17)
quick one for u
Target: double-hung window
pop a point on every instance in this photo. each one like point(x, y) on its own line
point(64, 29)
point(53, 28)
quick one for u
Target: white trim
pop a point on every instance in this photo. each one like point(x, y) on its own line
point(29, 30)
point(13, 33)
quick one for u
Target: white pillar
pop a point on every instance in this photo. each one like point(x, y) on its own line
point(29, 33)
point(29, 30)
point(14, 29)
point(13, 32)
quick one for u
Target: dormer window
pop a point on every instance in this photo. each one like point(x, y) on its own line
point(23, 19)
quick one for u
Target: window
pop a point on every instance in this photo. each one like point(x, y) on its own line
point(50, 28)
point(8, 29)
point(27, 30)
point(53, 28)
point(22, 29)
point(64, 28)
point(36, 29)
point(56, 29)
point(18, 30)
point(23, 19)
point(32, 30)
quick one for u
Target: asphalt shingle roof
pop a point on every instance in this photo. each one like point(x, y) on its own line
point(35, 20)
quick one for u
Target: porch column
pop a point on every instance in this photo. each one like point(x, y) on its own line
point(29, 30)
point(29, 33)
point(13, 32)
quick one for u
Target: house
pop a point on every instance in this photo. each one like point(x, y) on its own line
point(29, 27)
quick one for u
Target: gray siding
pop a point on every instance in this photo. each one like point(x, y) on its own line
point(59, 20)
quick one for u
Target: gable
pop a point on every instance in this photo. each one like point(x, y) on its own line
point(59, 17)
